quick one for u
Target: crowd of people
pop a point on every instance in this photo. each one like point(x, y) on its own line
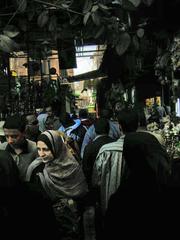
point(80, 178)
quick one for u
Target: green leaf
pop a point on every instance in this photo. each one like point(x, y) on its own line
point(118, 2)
point(64, 5)
point(99, 32)
point(135, 2)
point(123, 43)
point(127, 5)
point(102, 6)
point(94, 8)
point(75, 19)
point(31, 13)
point(135, 42)
point(96, 18)
point(52, 24)
point(148, 2)
point(87, 6)
point(7, 44)
point(11, 31)
point(43, 19)
point(86, 17)
point(140, 32)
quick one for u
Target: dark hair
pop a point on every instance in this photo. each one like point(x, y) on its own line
point(42, 137)
point(15, 122)
point(66, 120)
point(83, 113)
point(146, 159)
point(128, 119)
point(106, 113)
point(101, 126)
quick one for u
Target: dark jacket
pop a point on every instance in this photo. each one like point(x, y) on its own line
point(24, 212)
point(90, 153)
point(144, 206)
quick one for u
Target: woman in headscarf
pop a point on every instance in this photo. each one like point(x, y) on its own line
point(143, 206)
point(59, 176)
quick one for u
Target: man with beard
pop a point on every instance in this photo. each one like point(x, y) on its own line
point(23, 151)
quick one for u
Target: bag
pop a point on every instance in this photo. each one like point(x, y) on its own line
point(68, 218)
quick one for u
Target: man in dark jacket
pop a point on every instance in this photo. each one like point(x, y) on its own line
point(91, 150)
point(22, 150)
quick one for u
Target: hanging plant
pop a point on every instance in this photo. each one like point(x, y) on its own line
point(96, 19)
point(86, 17)
point(123, 43)
point(43, 19)
point(87, 6)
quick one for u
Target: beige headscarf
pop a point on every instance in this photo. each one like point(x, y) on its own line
point(62, 177)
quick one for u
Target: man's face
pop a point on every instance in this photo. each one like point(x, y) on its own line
point(49, 111)
point(14, 137)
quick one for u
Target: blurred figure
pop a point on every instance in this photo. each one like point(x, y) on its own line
point(52, 121)
point(41, 117)
point(84, 117)
point(114, 131)
point(73, 129)
point(32, 127)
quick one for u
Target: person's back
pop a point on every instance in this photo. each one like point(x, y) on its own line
point(92, 149)
point(42, 116)
point(74, 130)
point(143, 203)
point(109, 162)
point(84, 117)
point(114, 130)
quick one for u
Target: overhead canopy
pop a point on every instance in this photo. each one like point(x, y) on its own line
point(87, 76)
